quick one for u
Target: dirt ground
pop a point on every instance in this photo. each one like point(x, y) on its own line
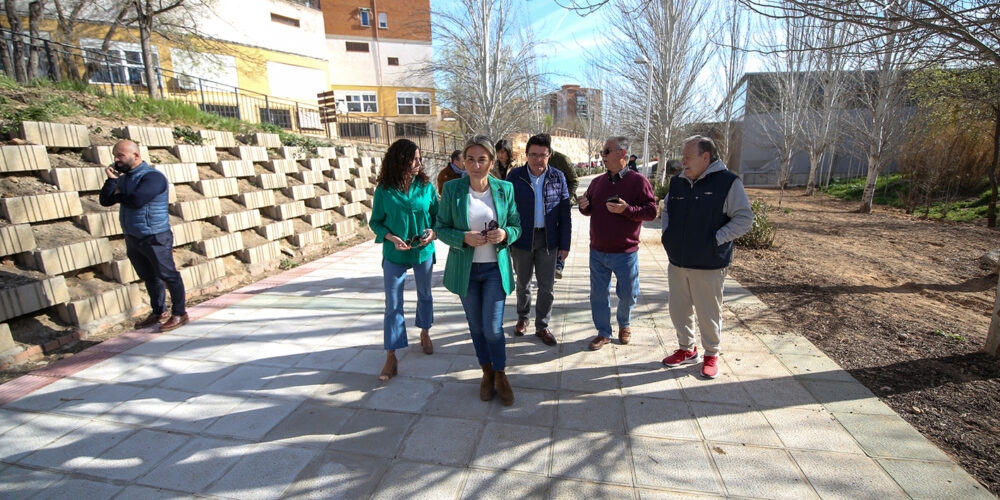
point(899, 302)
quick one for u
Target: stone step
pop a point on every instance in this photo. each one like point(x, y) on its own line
point(324, 202)
point(340, 174)
point(310, 177)
point(256, 199)
point(363, 162)
point(76, 179)
point(151, 137)
point(264, 140)
point(350, 152)
point(220, 245)
point(344, 164)
point(345, 228)
point(66, 258)
point(100, 223)
point(282, 166)
point(116, 305)
point(356, 195)
point(303, 192)
point(271, 181)
point(261, 254)
point(336, 187)
point(197, 209)
point(238, 221)
point(186, 232)
point(103, 155)
point(23, 159)
point(326, 152)
point(41, 207)
point(218, 188)
point(195, 154)
point(285, 211)
point(250, 153)
point(234, 168)
point(277, 230)
point(292, 152)
point(119, 270)
point(6, 340)
point(349, 209)
point(360, 182)
point(179, 173)
point(218, 139)
point(307, 238)
point(319, 219)
point(55, 135)
point(201, 275)
point(31, 297)
point(16, 239)
point(317, 164)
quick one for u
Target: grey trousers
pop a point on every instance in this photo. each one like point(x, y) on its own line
point(697, 293)
point(541, 262)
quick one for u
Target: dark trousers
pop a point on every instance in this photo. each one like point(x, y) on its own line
point(540, 262)
point(153, 260)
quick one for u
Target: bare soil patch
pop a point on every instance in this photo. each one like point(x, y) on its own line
point(899, 302)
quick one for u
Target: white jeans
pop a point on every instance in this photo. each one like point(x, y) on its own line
point(697, 292)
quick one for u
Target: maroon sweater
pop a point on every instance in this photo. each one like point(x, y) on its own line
point(618, 233)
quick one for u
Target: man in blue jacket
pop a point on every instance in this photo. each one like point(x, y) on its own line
point(141, 191)
point(542, 198)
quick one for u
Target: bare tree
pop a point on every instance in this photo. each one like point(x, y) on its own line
point(34, 17)
point(146, 14)
point(488, 74)
point(733, 41)
point(17, 41)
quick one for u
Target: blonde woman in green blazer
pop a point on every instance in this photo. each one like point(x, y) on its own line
point(477, 219)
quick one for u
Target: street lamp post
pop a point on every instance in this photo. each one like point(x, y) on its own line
point(649, 98)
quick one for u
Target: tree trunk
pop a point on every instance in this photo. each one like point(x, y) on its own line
point(8, 63)
point(869, 193)
point(20, 72)
point(991, 211)
point(993, 336)
point(145, 27)
point(34, 16)
point(833, 164)
point(814, 159)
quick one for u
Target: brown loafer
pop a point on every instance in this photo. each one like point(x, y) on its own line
point(153, 319)
point(599, 342)
point(425, 342)
point(546, 336)
point(174, 322)
point(624, 335)
point(520, 327)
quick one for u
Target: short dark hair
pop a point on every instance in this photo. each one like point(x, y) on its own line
point(456, 156)
point(705, 145)
point(633, 157)
point(544, 140)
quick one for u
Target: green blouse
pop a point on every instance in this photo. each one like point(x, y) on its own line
point(404, 215)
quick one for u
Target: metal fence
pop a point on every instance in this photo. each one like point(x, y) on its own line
point(120, 72)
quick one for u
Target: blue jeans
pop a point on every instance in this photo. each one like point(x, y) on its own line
point(484, 312)
point(394, 324)
point(153, 260)
point(626, 269)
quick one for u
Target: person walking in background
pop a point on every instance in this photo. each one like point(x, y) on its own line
point(704, 211)
point(542, 199)
point(141, 192)
point(505, 159)
point(404, 211)
point(617, 203)
point(478, 221)
point(632, 163)
point(564, 165)
point(454, 170)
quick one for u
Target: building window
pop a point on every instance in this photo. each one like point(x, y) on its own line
point(413, 103)
point(121, 66)
point(383, 20)
point(411, 130)
point(365, 15)
point(393, 61)
point(278, 18)
point(357, 47)
point(361, 102)
point(358, 130)
point(581, 106)
point(279, 117)
point(221, 110)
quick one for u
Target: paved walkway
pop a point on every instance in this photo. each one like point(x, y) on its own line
point(272, 392)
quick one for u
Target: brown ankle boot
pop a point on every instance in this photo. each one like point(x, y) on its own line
point(486, 387)
point(503, 389)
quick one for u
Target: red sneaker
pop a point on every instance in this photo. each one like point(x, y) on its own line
point(681, 356)
point(710, 368)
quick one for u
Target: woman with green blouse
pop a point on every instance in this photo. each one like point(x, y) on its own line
point(404, 212)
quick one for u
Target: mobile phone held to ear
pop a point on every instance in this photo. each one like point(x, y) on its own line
point(613, 199)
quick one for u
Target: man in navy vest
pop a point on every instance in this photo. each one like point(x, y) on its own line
point(704, 211)
point(141, 191)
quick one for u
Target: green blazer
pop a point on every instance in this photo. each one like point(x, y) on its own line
point(453, 223)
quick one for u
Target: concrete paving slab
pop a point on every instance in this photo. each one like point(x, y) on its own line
point(346, 389)
point(198, 412)
point(846, 476)
point(734, 424)
point(531, 407)
point(195, 465)
point(591, 456)
point(78, 446)
point(662, 418)
point(569, 490)
point(252, 419)
point(53, 395)
point(19, 482)
point(263, 471)
point(760, 472)
point(313, 424)
point(514, 447)
point(98, 401)
point(147, 406)
point(723, 389)
point(502, 485)
point(337, 475)
point(420, 482)
point(75, 489)
point(441, 440)
point(134, 456)
point(373, 433)
point(679, 465)
point(35, 434)
point(402, 394)
point(840, 397)
point(811, 430)
point(596, 412)
point(934, 479)
point(889, 436)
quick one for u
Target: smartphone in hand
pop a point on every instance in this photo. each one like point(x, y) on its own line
point(614, 199)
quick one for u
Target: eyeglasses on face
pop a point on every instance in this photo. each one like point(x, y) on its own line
point(608, 151)
point(538, 156)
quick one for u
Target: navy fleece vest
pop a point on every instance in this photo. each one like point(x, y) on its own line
point(151, 218)
point(695, 214)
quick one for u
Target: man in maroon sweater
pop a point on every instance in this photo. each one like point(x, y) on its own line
point(617, 203)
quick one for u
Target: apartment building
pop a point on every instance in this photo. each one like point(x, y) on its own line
point(570, 104)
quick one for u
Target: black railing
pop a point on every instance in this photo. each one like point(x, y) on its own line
point(378, 131)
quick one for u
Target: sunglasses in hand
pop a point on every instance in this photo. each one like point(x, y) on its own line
point(489, 226)
point(416, 238)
